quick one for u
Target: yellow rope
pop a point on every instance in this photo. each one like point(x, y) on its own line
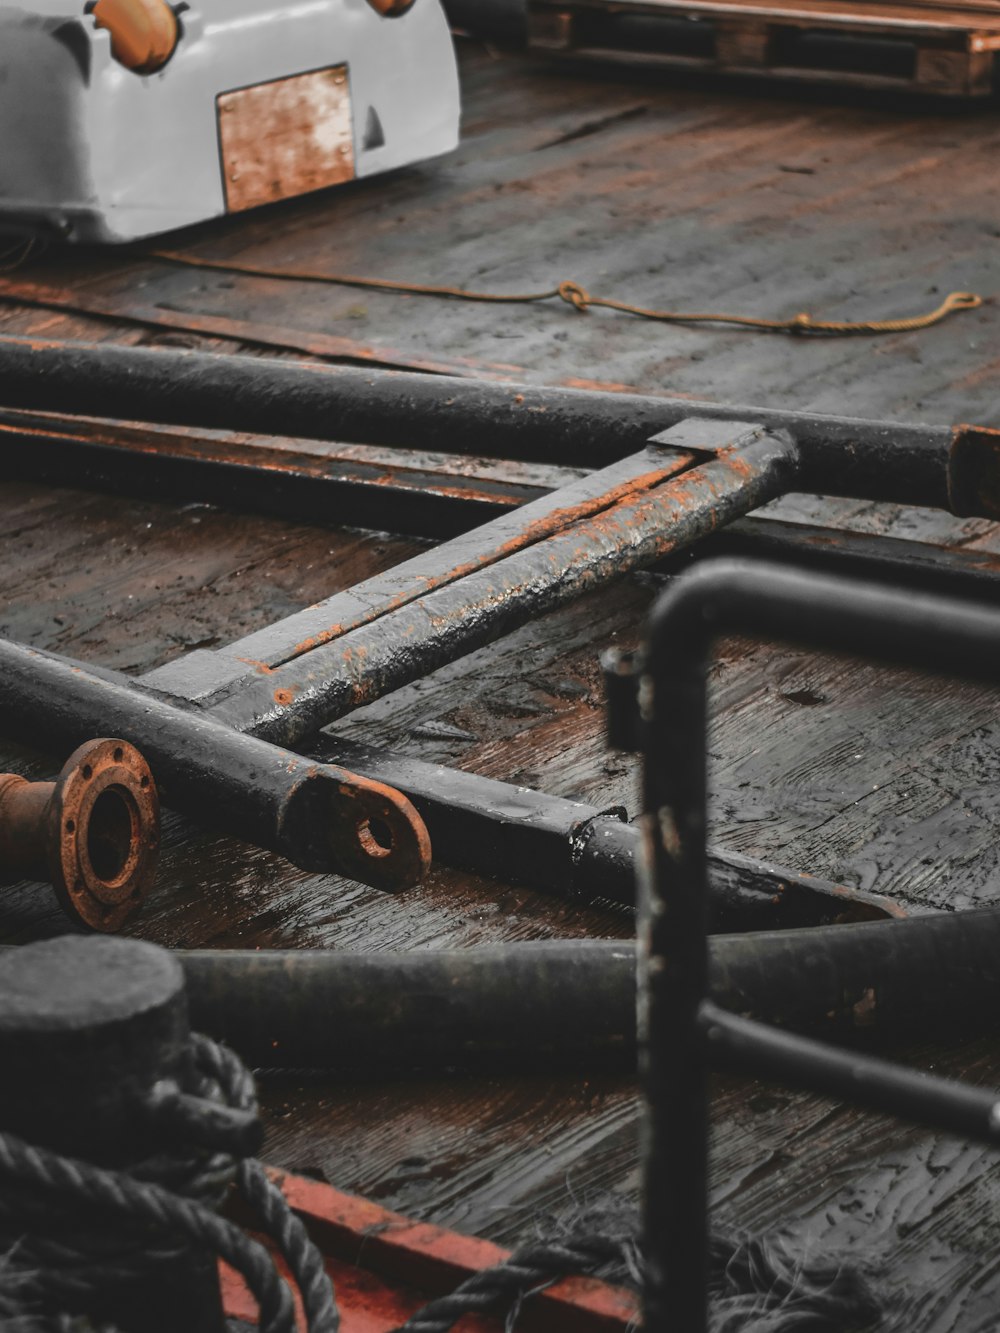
point(580, 299)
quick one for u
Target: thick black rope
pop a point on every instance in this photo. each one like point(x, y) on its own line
point(304, 1260)
point(48, 1204)
point(166, 1206)
point(505, 1286)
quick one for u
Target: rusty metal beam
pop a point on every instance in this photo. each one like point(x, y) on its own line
point(959, 572)
point(211, 675)
point(317, 484)
point(633, 525)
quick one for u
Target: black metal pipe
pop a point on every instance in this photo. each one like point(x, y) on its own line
point(942, 466)
point(582, 852)
point(942, 1104)
point(730, 596)
point(318, 815)
point(572, 1002)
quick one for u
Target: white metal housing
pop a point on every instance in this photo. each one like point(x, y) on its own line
point(104, 154)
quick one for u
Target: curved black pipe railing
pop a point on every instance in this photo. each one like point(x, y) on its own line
point(682, 1031)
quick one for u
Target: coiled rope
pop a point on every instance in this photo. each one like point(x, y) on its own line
point(577, 296)
point(70, 1228)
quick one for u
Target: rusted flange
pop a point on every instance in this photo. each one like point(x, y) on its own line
point(95, 832)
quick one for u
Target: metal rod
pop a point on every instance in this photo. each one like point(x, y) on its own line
point(318, 484)
point(952, 467)
point(297, 698)
point(572, 1002)
point(496, 829)
point(318, 815)
point(942, 1104)
point(309, 485)
point(731, 596)
point(582, 852)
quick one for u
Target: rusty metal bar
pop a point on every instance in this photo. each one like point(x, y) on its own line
point(316, 483)
point(206, 674)
point(951, 467)
point(319, 816)
point(683, 1030)
point(580, 852)
point(957, 572)
point(296, 698)
point(309, 485)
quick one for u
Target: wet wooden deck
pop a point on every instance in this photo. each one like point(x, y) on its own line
point(665, 192)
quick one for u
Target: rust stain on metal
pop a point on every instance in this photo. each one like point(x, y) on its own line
point(864, 1009)
point(286, 138)
point(548, 525)
point(261, 668)
point(377, 836)
point(283, 697)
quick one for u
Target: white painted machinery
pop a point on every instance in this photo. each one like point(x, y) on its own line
point(124, 118)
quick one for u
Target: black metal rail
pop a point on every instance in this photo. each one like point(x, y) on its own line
point(683, 1030)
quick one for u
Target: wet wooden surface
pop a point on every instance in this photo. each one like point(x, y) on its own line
point(687, 195)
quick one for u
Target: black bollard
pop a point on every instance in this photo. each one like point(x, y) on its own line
point(94, 1037)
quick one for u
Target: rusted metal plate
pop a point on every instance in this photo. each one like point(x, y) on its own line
point(286, 138)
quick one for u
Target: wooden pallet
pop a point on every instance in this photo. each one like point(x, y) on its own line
point(925, 47)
